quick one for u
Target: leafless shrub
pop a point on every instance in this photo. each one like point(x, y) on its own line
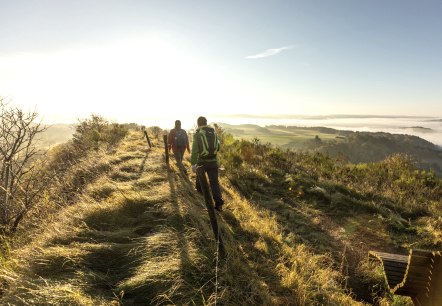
point(21, 180)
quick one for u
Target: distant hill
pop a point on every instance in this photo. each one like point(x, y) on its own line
point(55, 134)
point(356, 147)
point(372, 147)
point(314, 117)
point(420, 129)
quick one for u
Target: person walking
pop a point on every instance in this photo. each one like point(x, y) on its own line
point(205, 146)
point(178, 142)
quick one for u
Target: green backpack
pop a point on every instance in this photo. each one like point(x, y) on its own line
point(208, 143)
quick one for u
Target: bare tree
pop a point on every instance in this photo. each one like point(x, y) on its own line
point(18, 177)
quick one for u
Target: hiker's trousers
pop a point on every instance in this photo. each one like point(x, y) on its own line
point(212, 172)
point(179, 154)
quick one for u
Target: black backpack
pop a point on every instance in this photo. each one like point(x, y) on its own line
point(208, 143)
point(180, 139)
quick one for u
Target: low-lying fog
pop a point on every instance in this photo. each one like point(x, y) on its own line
point(427, 128)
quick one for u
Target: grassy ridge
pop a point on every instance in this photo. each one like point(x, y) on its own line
point(139, 234)
point(297, 228)
point(118, 242)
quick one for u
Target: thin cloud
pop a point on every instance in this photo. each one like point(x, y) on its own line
point(269, 52)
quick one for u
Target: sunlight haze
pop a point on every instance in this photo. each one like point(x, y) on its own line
point(131, 60)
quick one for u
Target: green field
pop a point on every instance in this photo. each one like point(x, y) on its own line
point(355, 147)
point(292, 137)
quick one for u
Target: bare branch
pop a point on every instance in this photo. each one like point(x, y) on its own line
point(18, 179)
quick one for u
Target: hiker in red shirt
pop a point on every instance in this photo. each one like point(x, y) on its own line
point(178, 142)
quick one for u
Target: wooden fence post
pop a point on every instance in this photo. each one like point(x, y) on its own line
point(166, 148)
point(201, 177)
point(147, 138)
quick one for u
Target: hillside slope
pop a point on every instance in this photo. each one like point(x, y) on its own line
point(339, 208)
point(356, 147)
point(140, 235)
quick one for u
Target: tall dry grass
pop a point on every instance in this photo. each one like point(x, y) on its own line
point(138, 234)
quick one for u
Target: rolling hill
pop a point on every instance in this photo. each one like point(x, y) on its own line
point(355, 147)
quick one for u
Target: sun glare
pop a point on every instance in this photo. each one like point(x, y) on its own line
point(141, 76)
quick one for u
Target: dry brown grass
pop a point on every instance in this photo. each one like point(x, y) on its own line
point(147, 240)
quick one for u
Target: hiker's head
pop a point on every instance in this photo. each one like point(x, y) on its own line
point(201, 121)
point(177, 124)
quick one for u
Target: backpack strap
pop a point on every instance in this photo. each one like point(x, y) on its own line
point(201, 143)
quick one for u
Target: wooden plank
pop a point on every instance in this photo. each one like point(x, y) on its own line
point(395, 275)
point(409, 292)
point(394, 279)
point(395, 263)
point(393, 284)
point(427, 255)
point(395, 268)
point(415, 289)
point(388, 254)
point(422, 285)
point(401, 265)
point(419, 270)
point(419, 274)
point(398, 259)
point(420, 260)
point(412, 289)
point(422, 272)
point(393, 272)
point(422, 252)
point(417, 283)
point(418, 280)
point(394, 260)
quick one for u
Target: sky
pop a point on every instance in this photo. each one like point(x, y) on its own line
point(134, 59)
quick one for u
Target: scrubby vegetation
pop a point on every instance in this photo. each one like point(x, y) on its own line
point(339, 207)
point(355, 147)
point(121, 227)
point(47, 180)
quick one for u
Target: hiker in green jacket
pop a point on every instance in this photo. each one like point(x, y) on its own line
point(205, 146)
